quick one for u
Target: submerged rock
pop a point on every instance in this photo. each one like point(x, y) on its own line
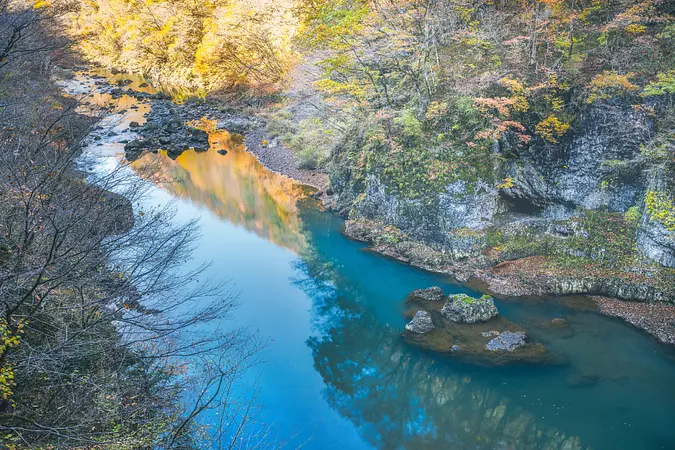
point(507, 341)
point(421, 323)
point(558, 322)
point(462, 308)
point(582, 380)
point(422, 296)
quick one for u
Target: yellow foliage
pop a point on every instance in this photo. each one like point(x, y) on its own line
point(191, 44)
point(551, 128)
point(8, 339)
point(507, 184)
point(661, 208)
point(512, 84)
point(610, 84)
point(635, 29)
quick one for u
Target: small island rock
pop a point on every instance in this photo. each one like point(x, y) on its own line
point(464, 309)
point(421, 323)
point(432, 294)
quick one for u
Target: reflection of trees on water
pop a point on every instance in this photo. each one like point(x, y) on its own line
point(235, 187)
point(395, 395)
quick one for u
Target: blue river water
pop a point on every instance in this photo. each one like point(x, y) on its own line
point(336, 373)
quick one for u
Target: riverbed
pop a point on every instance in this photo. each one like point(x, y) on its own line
point(336, 372)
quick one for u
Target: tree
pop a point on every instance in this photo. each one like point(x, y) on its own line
point(100, 328)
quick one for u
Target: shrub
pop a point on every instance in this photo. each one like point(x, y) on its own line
point(312, 143)
point(551, 128)
point(661, 207)
point(608, 85)
point(664, 84)
point(632, 215)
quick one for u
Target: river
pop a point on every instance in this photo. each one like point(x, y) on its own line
point(336, 372)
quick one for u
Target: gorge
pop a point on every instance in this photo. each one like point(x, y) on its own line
point(337, 224)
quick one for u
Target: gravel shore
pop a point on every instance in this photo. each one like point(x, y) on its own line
point(282, 160)
point(656, 319)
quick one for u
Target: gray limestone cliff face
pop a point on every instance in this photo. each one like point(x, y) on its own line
point(460, 206)
point(598, 165)
point(653, 238)
point(594, 167)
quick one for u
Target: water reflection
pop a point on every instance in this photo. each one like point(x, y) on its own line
point(399, 397)
point(235, 187)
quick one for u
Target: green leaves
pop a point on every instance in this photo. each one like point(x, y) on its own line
point(664, 84)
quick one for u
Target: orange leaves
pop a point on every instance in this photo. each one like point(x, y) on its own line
point(500, 111)
point(491, 105)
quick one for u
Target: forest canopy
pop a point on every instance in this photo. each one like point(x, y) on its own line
point(194, 44)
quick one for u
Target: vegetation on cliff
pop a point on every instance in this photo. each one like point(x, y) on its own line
point(557, 110)
point(432, 86)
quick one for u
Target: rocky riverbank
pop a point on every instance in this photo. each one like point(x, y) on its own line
point(646, 302)
point(656, 319)
point(175, 128)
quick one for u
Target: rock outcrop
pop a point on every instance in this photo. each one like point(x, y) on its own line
point(166, 130)
point(558, 204)
point(421, 323)
point(465, 309)
point(429, 295)
point(507, 341)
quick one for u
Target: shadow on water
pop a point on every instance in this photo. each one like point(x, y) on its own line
point(337, 366)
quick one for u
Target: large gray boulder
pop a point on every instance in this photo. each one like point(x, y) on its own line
point(421, 323)
point(236, 124)
point(465, 309)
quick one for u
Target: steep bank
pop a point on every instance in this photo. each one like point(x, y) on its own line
point(575, 217)
point(498, 152)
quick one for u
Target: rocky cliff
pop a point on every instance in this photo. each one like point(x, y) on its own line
point(579, 206)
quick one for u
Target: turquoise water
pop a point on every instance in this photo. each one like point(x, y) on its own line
point(336, 372)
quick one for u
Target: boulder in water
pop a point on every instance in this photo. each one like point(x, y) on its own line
point(470, 329)
point(421, 323)
point(462, 308)
point(423, 296)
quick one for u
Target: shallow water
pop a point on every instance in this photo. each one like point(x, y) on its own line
point(337, 372)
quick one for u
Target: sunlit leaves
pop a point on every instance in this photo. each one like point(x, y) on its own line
point(610, 84)
point(551, 129)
